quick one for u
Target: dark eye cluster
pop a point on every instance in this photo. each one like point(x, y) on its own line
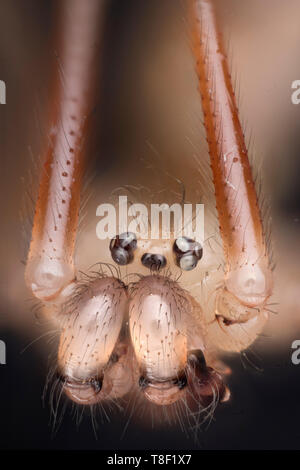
point(187, 253)
point(122, 248)
point(153, 261)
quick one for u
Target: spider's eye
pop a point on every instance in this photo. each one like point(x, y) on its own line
point(153, 261)
point(187, 253)
point(122, 248)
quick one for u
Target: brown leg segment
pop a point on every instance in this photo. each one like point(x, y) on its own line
point(50, 260)
point(248, 275)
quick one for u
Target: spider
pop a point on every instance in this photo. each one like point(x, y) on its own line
point(156, 314)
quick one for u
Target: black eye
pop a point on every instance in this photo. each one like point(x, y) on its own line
point(187, 253)
point(122, 248)
point(153, 262)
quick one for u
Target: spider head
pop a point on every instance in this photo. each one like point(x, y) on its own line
point(156, 255)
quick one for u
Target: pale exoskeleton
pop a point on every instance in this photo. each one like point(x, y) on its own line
point(156, 313)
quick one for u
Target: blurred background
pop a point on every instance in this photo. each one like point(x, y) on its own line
point(148, 107)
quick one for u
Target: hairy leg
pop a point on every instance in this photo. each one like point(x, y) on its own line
point(248, 276)
point(90, 315)
point(50, 266)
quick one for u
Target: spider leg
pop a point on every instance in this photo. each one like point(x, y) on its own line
point(248, 276)
point(50, 266)
point(92, 363)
